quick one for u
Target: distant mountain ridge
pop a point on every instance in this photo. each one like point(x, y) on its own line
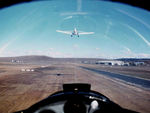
point(42, 58)
point(29, 58)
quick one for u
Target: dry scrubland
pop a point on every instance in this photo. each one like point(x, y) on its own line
point(19, 90)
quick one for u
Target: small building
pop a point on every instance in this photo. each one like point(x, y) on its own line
point(126, 64)
point(110, 62)
point(139, 63)
point(16, 61)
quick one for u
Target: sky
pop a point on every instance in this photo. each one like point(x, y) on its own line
point(120, 31)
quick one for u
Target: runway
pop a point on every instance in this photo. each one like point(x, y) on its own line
point(129, 79)
point(19, 90)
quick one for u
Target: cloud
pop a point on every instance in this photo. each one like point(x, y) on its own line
point(134, 17)
point(73, 13)
point(68, 17)
point(97, 48)
point(76, 46)
point(12, 53)
point(140, 35)
point(143, 55)
point(127, 50)
point(130, 54)
point(51, 49)
point(59, 54)
point(48, 52)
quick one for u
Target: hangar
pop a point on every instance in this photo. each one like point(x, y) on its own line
point(110, 62)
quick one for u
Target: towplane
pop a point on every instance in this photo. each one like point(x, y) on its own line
point(75, 32)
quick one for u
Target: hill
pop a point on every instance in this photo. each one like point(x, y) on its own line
point(31, 58)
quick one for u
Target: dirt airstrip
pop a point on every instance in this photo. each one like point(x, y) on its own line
point(20, 89)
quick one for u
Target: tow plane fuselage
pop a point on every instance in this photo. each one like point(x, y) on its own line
point(75, 32)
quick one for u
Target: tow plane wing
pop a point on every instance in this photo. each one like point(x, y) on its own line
point(86, 33)
point(75, 32)
point(65, 32)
